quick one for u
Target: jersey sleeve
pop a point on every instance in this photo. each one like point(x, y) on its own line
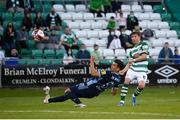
point(145, 48)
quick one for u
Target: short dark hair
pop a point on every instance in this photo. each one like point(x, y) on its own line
point(135, 33)
point(119, 63)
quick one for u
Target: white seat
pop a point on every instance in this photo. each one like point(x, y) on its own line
point(70, 8)
point(108, 54)
point(154, 52)
point(128, 32)
point(81, 34)
point(103, 34)
point(155, 16)
point(152, 25)
point(120, 53)
point(147, 8)
point(163, 25)
point(136, 14)
point(125, 14)
point(125, 8)
point(160, 34)
point(171, 34)
point(92, 34)
point(136, 8)
point(177, 43)
point(80, 8)
point(100, 18)
point(77, 16)
point(59, 8)
point(109, 15)
point(143, 24)
point(117, 32)
point(66, 16)
point(101, 43)
point(85, 25)
point(97, 25)
point(74, 25)
point(157, 43)
point(88, 43)
point(88, 16)
point(144, 16)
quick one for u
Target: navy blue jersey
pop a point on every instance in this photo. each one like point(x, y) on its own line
point(107, 79)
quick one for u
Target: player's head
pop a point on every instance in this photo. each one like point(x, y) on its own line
point(117, 65)
point(135, 37)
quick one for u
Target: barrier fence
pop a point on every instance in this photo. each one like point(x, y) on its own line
point(66, 75)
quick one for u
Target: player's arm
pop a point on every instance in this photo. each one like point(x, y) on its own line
point(121, 72)
point(94, 71)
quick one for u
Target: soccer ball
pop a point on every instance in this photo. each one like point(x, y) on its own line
point(38, 34)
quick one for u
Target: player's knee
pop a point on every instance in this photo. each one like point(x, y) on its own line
point(127, 81)
point(141, 84)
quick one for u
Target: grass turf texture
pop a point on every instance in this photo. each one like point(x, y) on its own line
point(155, 102)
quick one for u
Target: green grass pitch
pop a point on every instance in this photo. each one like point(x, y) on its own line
point(155, 102)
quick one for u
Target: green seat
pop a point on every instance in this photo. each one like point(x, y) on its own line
point(74, 52)
point(158, 8)
point(37, 53)
point(56, 61)
point(22, 61)
point(174, 25)
point(25, 53)
point(7, 16)
point(2, 8)
point(166, 16)
point(31, 44)
point(178, 33)
point(60, 53)
point(47, 7)
point(49, 53)
point(44, 61)
point(32, 62)
point(151, 61)
point(44, 15)
point(38, 7)
point(17, 25)
point(18, 16)
point(105, 62)
point(5, 23)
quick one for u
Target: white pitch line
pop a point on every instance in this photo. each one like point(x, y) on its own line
point(86, 112)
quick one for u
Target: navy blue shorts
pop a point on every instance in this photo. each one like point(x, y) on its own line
point(83, 91)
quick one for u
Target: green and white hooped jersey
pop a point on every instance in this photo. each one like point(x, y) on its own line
point(137, 50)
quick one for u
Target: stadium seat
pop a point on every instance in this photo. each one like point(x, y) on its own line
point(154, 52)
point(25, 53)
point(77, 16)
point(143, 24)
point(102, 43)
point(60, 53)
point(89, 43)
point(81, 34)
point(163, 25)
point(47, 8)
point(120, 54)
point(85, 25)
point(49, 53)
point(7, 16)
point(92, 34)
point(59, 8)
point(147, 8)
point(18, 16)
point(105, 62)
point(177, 43)
point(31, 44)
point(171, 34)
point(88, 16)
point(32, 62)
point(158, 8)
point(125, 8)
point(152, 25)
point(103, 34)
point(155, 16)
point(97, 25)
point(136, 8)
point(22, 61)
point(174, 25)
point(109, 15)
point(66, 16)
point(108, 54)
point(170, 41)
point(70, 8)
point(80, 8)
point(74, 52)
point(166, 16)
point(56, 61)
point(44, 61)
point(144, 16)
point(157, 43)
point(160, 34)
point(74, 25)
point(100, 18)
point(37, 53)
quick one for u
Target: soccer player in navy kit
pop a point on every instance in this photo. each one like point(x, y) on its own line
point(100, 81)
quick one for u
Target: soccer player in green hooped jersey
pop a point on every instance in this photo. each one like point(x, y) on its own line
point(136, 68)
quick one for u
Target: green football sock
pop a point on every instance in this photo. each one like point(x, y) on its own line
point(124, 92)
point(138, 91)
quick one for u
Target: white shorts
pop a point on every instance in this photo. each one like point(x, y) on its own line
point(138, 76)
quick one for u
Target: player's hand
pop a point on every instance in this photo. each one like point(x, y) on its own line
point(114, 91)
point(121, 72)
point(92, 60)
point(130, 61)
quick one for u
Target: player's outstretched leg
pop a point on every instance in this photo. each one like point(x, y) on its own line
point(124, 92)
point(136, 93)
